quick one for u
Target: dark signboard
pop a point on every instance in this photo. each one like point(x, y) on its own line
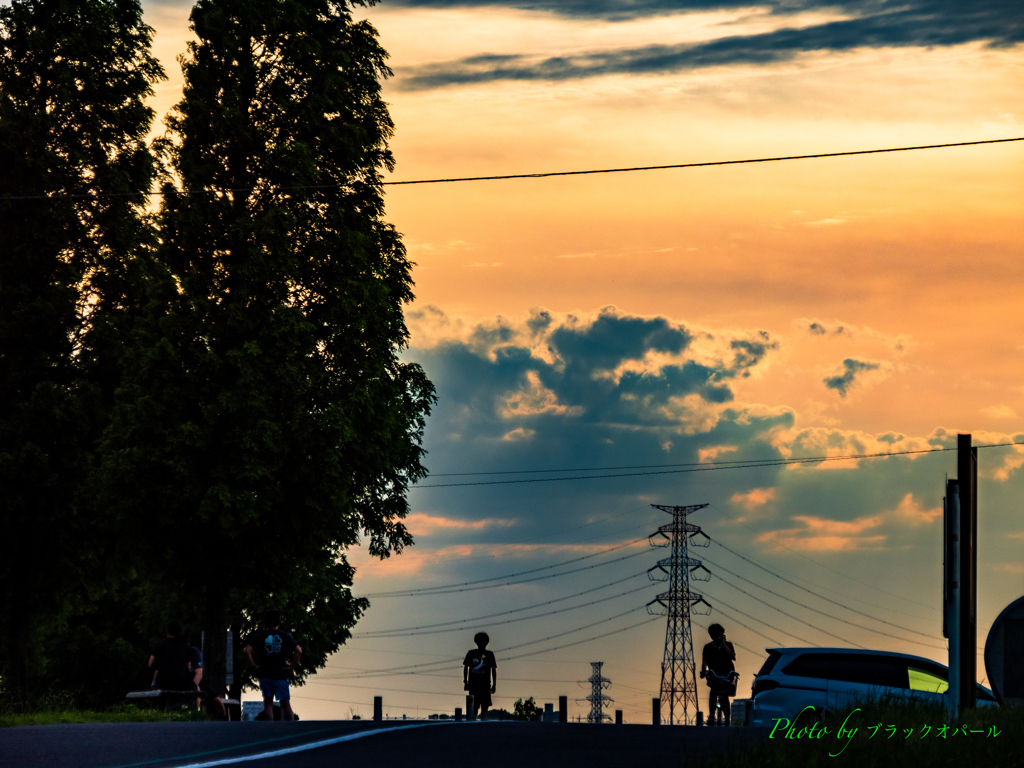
point(1004, 654)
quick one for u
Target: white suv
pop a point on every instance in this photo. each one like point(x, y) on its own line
point(827, 678)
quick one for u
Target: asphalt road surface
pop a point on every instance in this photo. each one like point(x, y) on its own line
point(353, 744)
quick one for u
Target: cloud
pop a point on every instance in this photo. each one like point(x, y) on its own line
point(423, 524)
point(822, 535)
point(999, 412)
point(910, 511)
point(518, 434)
point(898, 342)
point(844, 381)
point(709, 454)
point(868, 24)
point(607, 370)
point(755, 498)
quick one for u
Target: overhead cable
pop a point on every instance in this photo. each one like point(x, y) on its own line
point(821, 565)
point(706, 164)
point(703, 164)
point(830, 616)
point(470, 586)
point(380, 632)
point(766, 569)
point(506, 621)
point(711, 467)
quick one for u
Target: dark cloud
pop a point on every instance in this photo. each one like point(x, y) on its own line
point(852, 367)
point(609, 10)
point(820, 329)
point(925, 23)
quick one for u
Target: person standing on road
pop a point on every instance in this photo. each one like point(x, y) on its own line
point(718, 656)
point(170, 660)
point(276, 655)
point(480, 674)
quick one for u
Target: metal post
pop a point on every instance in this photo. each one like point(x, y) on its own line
point(458, 714)
point(229, 661)
point(952, 591)
point(967, 475)
point(378, 709)
point(656, 711)
point(563, 709)
point(618, 717)
point(470, 708)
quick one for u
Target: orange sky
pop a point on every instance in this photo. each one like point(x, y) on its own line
point(915, 256)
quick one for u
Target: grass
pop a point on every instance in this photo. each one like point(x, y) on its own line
point(123, 713)
point(921, 748)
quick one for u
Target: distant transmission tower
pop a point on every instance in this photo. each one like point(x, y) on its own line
point(597, 699)
point(678, 675)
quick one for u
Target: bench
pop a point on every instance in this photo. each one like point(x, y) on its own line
point(171, 699)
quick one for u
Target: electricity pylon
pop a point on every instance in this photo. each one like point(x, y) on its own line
point(597, 699)
point(678, 675)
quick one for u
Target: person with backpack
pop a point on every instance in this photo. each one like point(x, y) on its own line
point(273, 653)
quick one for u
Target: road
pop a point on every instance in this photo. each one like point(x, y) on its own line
point(352, 744)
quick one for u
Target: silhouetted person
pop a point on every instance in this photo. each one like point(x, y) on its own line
point(213, 698)
point(718, 656)
point(480, 674)
point(170, 659)
point(276, 655)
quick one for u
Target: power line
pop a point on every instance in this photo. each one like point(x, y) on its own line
point(381, 632)
point(702, 165)
point(470, 586)
point(296, 187)
point(453, 660)
point(822, 565)
point(805, 589)
point(507, 621)
point(707, 468)
point(708, 463)
point(836, 618)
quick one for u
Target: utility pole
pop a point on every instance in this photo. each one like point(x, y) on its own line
point(678, 674)
point(960, 588)
point(597, 699)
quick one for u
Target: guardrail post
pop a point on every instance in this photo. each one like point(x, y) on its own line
point(563, 709)
point(378, 709)
point(655, 711)
point(470, 708)
point(618, 717)
point(458, 714)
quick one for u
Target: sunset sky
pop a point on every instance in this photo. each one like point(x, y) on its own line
point(819, 307)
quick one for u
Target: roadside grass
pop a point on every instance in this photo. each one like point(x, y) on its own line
point(122, 713)
point(997, 740)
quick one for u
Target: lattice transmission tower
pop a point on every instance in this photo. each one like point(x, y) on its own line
point(678, 675)
point(597, 699)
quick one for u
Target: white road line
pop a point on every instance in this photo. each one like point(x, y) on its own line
point(304, 747)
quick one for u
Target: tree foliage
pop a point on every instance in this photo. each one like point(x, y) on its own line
point(526, 709)
point(74, 76)
point(265, 422)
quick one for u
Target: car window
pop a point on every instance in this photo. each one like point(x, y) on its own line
point(927, 676)
point(923, 680)
point(769, 663)
point(884, 671)
point(809, 665)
